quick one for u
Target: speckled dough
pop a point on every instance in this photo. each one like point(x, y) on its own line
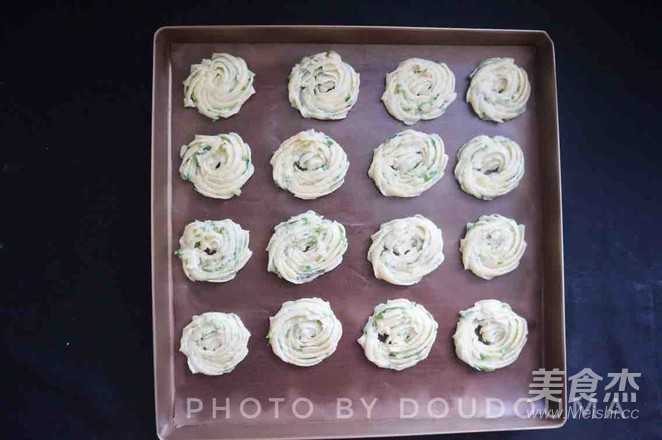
point(419, 90)
point(213, 250)
point(398, 335)
point(408, 163)
point(499, 90)
point(309, 165)
point(219, 86)
point(305, 247)
point(214, 343)
point(404, 250)
point(489, 167)
point(218, 166)
point(493, 246)
point(489, 335)
point(323, 86)
point(304, 332)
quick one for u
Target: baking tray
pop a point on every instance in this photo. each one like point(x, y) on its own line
point(535, 289)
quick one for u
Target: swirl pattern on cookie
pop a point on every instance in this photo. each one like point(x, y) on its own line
point(213, 250)
point(492, 246)
point(305, 247)
point(408, 163)
point(404, 250)
point(499, 90)
point(218, 166)
point(214, 343)
point(309, 165)
point(419, 89)
point(489, 335)
point(489, 167)
point(398, 335)
point(304, 332)
point(323, 86)
point(219, 86)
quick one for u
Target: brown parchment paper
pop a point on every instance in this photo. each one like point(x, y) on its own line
point(266, 120)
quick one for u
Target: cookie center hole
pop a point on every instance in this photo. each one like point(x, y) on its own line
point(210, 341)
point(326, 86)
point(479, 333)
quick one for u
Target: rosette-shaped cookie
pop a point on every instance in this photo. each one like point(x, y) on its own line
point(214, 343)
point(218, 165)
point(213, 250)
point(489, 167)
point(404, 250)
point(489, 335)
point(419, 89)
point(309, 165)
point(499, 90)
point(304, 332)
point(219, 86)
point(323, 86)
point(492, 246)
point(408, 163)
point(305, 247)
point(398, 335)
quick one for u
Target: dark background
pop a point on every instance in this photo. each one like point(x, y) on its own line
point(75, 108)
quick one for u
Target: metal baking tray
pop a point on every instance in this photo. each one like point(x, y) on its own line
point(535, 289)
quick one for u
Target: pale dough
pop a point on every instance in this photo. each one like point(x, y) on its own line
point(419, 89)
point(309, 165)
point(214, 343)
point(492, 246)
point(218, 166)
point(489, 167)
point(323, 86)
point(213, 250)
point(408, 163)
point(489, 335)
point(499, 90)
point(305, 247)
point(404, 250)
point(398, 335)
point(304, 332)
point(219, 86)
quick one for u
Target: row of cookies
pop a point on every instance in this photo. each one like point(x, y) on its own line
point(325, 87)
point(311, 164)
point(397, 336)
point(308, 245)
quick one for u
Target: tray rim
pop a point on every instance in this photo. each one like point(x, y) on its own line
point(161, 41)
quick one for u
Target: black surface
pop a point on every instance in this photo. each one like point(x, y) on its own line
point(75, 105)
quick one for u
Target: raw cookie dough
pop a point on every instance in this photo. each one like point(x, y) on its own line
point(309, 165)
point(323, 86)
point(489, 335)
point(214, 343)
point(499, 90)
point(419, 89)
point(404, 250)
point(492, 246)
point(304, 332)
point(305, 247)
point(489, 167)
point(398, 335)
point(408, 163)
point(219, 86)
point(218, 165)
point(213, 250)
